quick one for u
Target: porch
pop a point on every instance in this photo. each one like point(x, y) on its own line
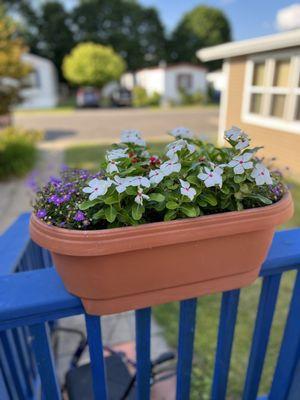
point(34, 298)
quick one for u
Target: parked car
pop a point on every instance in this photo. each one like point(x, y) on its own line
point(121, 97)
point(87, 97)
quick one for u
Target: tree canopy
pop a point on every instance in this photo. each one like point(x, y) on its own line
point(202, 27)
point(12, 68)
point(91, 64)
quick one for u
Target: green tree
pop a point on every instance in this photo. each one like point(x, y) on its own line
point(135, 32)
point(12, 68)
point(203, 26)
point(91, 64)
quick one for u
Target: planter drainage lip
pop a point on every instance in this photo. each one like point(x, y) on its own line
point(157, 234)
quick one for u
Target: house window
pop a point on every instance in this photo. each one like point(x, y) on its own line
point(32, 80)
point(272, 91)
point(184, 81)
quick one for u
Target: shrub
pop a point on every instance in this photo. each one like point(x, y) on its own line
point(142, 99)
point(191, 179)
point(17, 151)
point(188, 99)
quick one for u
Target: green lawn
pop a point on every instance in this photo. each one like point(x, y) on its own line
point(209, 307)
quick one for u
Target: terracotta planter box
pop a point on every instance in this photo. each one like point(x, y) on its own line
point(133, 267)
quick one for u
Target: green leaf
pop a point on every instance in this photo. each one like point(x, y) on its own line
point(112, 199)
point(131, 190)
point(239, 178)
point(190, 210)
point(172, 205)
point(209, 198)
point(99, 214)
point(158, 197)
point(137, 212)
point(110, 214)
point(170, 215)
point(88, 204)
point(193, 180)
point(261, 198)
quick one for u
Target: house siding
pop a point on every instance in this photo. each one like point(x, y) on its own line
point(282, 145)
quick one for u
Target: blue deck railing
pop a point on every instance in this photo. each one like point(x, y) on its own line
point(31, 299)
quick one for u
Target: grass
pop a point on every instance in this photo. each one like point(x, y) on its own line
point(87, 156)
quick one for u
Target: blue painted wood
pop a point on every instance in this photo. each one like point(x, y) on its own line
point(4, 395)
point(24, 364)
point(228, 315)
point(295, 385)
point(284, 253)
point(263, 324)
point(13, 243)
point(45, 361)
point(187, 322)
point(290, 349)
point(13, 363)
point(93, 327)
point(7, 376)
point(35, 296)
point(143, 348)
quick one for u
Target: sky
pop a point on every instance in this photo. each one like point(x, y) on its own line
point(248, 18)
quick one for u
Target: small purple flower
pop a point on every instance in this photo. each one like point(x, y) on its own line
point(55, 181)
point(79, 216)
point(41, 213)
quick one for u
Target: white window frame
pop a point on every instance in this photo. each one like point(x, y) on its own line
point(287, 124)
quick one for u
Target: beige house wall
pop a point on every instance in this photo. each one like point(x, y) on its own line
point(282, 145)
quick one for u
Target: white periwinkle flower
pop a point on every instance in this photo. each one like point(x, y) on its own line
point(170, 166)
point(182, 132)
point(242, 144)
point(261, 174)
point(112, 166)
point(140, 197)
point(186, 190)
point(121, 184)
point(177, 146)
point(211, 177)
point(138, 181)
point(97, 188)
point(241, 163)
point(116, 154)
point(234, 133)
point(156, 176)
point(132, 136)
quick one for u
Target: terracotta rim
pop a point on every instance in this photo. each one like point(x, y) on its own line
point(156, 234)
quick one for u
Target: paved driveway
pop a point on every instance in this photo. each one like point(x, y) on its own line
point(104, 126)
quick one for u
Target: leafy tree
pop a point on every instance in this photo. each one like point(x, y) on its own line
point(203, 26)
point(91, 64)
point(12, 68)
point(135, 32)
point(47, 31)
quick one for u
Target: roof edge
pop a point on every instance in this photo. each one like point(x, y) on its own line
point(250, 46)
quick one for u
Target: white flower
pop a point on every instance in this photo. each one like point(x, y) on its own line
point(177, 146)
point(156, 176)
point(116, 154)
point(140, 197)
point(242, 144)
point(112, 167)
point(170, 166)
point(234, 133)
point(121, 184)
point(261, 174)
point(241, 163)
point(97, 188)
point(186, 190)
point(138, 181)
point(145, 154)
point(132, 136)
point(182, 132)
point(211, 177)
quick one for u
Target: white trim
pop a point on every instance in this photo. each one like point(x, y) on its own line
point(223, 104)
point(251, 46)
point(264, 119)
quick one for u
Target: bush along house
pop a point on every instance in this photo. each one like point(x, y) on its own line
point(262, 92)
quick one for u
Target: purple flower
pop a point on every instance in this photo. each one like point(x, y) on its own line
point(41, 213)
point(55, 181)
point(79, 216)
